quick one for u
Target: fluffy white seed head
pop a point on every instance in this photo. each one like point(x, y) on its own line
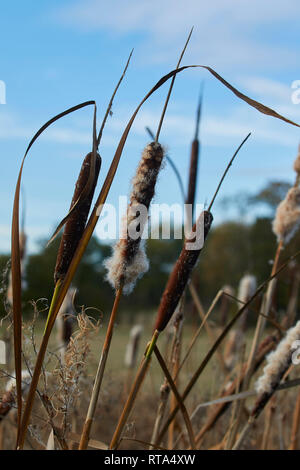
point(247, 287)
point(119, 269)
point(278, 361)
point(129, 261)
point(287, 218)
point(26, 379)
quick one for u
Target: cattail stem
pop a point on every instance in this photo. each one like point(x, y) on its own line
point(268, 423)
point(295, 426)
point(267, 302)
point(99, 375)
point(140, 376)
point(243, 434)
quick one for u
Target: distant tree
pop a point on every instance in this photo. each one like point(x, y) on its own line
point(271, 195)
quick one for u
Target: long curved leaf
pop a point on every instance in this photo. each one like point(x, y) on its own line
point(16, 262)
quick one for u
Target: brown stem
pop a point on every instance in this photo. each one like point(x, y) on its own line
point(99, 375)
point(133, 392)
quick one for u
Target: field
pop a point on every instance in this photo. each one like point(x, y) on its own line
point(201, 354)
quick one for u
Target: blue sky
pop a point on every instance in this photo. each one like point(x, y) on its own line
point(59, 53)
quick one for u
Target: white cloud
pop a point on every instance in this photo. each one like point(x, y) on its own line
point(224, 30)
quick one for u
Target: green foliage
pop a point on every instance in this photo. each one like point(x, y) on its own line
point(232, 249)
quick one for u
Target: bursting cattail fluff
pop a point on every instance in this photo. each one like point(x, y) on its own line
point(76, 222)
point(132, 346)
point(287, 218)
point(278, 362)
point(8, 399)
point(129, 261)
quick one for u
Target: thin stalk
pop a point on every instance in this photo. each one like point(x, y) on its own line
point(209, 331)
point(295, 426)
point(268, 423)
point(99, 375)
point(219, 340)
point(261, 321)
point(171, 88)
point(178, 398)
point(134, 391)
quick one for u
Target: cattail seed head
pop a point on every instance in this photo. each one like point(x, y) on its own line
point(278, 362)
point(76, 222)
point(193, 172)
point(129, 261)
point(287, 219)
point(179, 277)
point(132, 346)
point(8, 399)
point(247, 287)
point(65, 319)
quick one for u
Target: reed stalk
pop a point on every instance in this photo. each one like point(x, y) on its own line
point(99, 375)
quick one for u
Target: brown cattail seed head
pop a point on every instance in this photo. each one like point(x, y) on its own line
point(75, 224)
point(287, 219)
point(179, 277)
point(129, 261)
point(193, 172)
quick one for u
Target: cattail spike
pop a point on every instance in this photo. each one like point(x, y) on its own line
point(129, 261)
point(132, 346)
point(278, 363)
point(75, 224)
point(287, 218)
point(180, 275)
point(199, 112)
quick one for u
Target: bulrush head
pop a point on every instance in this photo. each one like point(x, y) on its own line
point(132, 346)
point(247, 287)
point(76, 222)
point(181, 273)
point(129, 261)
point(287, 218)
point(278, 363)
